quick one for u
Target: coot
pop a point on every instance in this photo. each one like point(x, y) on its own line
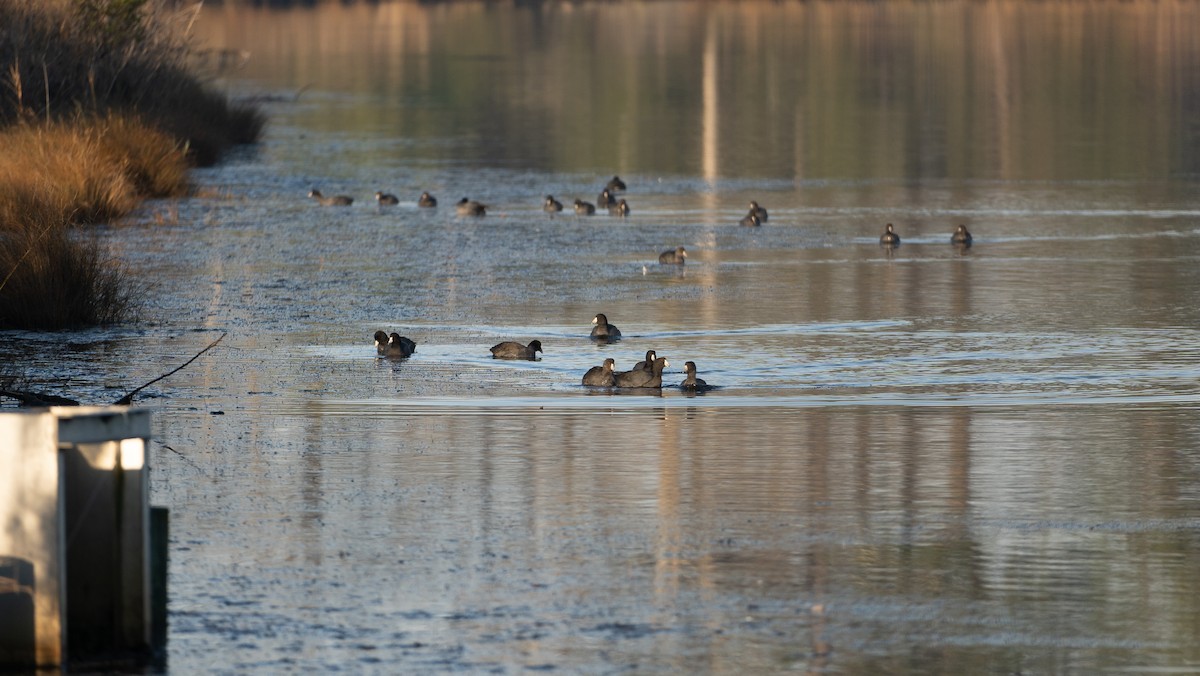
point(961, 237)
point(651, 378)
point(335, 201)
point(691, 382)
point(645, 365)
point(511, 350)
point(603, 330)
point(399, 346)
point(600, 376)
point(758, 211)
point(468, 207)
point(889, 237)
point(676, 257)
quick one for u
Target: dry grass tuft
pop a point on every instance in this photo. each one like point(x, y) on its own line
point(97, 111)
point(56, 175)
point(85, 171)
point(59, 279)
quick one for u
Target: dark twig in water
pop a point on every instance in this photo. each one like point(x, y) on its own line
point(185, 459)
point(128, 399)
point(37, 399)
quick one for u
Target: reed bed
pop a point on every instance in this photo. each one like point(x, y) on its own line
point(98, 111)
point(60, 278)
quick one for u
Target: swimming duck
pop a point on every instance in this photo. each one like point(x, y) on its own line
point(511, 350)
point(691, 382)
point(645, 365)
point(584, 208)
point(468, 207)
point(651, 378)
point(386, 199)
point(961, 237)
point(398, 346)
point(615, 184)
point(606, 201)
point(426, 200)
point(622, 208)
point(551, 205)
point(758, 211)
point(676, 257)
point(335, 201)
point(381, 341)
point(603, 330)
point(889, 237)
point(750, 220)
point(600, 376)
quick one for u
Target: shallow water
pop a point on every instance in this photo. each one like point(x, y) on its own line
point(924, 460)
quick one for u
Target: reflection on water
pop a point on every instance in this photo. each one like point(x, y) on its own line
point(694, 539)
point(919, 461)
point(1008, 90)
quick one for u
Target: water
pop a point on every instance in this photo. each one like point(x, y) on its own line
point(919, 461)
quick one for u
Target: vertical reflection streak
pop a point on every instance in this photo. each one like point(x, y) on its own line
point(710, 118)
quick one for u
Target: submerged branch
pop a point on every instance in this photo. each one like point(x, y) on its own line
point(37, 399)
point(128, 398)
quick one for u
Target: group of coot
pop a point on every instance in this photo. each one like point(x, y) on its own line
point(465, 207)
point(470, 207)
point(607, 200)
point(755, 217)
point(644, 374)
point(891, 239)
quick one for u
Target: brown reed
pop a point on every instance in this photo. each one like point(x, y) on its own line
point(98, 111)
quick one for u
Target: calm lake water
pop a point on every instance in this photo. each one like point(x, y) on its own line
point(921, 460)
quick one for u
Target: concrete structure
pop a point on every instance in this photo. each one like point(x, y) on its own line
point(76, 562)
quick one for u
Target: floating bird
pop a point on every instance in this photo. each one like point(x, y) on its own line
point(691, 382)
point(603, 330)
point(385, 199)
point(961, 237)
point(606, 201)
point(615, 184)
point(381, 341)
point(468, 207)
point(600, 376)
point(750, 220)
point(622, 208)
point(511, 350)
point(889, 237)
point(584, 208)
point(651, 378)
point(676, 257)
point(551, 205)
point(758, 211)
point(397, 345)
point(335, 201)
point(645, 365)
point(426, 200)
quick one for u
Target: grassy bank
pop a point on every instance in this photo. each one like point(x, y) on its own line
point(56, 176)
point(97, 112)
